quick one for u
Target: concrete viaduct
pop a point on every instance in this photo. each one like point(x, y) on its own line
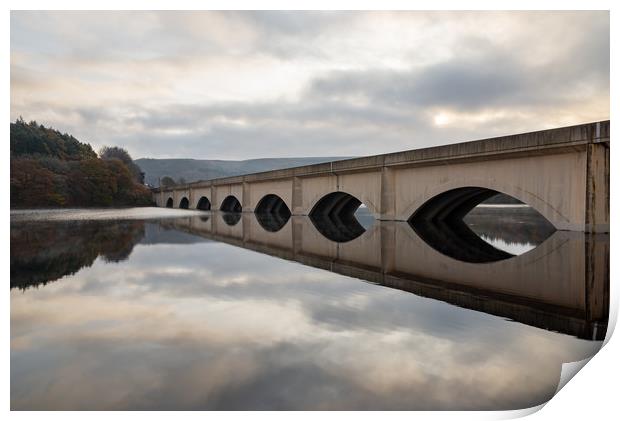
point(562, 173)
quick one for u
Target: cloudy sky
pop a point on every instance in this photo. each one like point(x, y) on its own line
point(238, 85)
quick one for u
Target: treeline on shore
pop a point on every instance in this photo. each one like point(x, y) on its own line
point(54, 169)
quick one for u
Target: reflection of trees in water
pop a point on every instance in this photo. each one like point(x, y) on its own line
point(518, 225)
point(44, 251)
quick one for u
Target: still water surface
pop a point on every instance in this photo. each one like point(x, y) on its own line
point(175, 309)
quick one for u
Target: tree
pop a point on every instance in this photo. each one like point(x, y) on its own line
point(167, 181)
point(32, 139)
point(114, 152)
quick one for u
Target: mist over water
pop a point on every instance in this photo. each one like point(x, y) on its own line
point(174, 309)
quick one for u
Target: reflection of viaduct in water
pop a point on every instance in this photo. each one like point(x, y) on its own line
point(561, 285)
point(562, 173)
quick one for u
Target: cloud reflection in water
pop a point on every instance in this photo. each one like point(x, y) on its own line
point(206, 325)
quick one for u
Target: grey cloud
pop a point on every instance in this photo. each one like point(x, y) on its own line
point(452, 84)
point(483, 73)
point(499, 80)
point(302, 128)
point(362, 110)
point(295, 22)
point(135, 35)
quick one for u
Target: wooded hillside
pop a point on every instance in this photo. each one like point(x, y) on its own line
point(53, 169)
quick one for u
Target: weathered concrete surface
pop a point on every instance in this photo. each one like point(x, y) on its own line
point(562, 285)
point(562, 173)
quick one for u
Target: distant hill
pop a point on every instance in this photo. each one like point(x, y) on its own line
point(205, 169)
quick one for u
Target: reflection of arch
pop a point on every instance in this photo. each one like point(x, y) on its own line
point(169, 202)
point(231, 218)
point(204, 204)
point(272, 213)
point(184, 204)
point(548, 211)
point(231, 204)
point(334, 216)
point(439, 222)
point(272, 222)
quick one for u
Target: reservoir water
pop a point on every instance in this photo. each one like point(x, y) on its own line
point(151, 309)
